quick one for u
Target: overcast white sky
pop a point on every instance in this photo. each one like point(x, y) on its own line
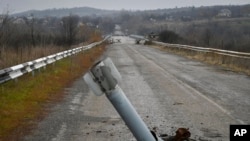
point(15, 6)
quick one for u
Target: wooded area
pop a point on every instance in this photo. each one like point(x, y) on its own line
point(223, 27)
point(26, 38)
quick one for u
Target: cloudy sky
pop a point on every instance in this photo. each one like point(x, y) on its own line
point(15, 6)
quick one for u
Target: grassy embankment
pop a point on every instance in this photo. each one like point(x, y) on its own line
point(235, 64)
point(23, 103)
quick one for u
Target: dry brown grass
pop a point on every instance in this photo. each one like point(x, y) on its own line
point(233, 63)
point(14, 56)
point(95, 37)
point(10, 57)
point(24, 103)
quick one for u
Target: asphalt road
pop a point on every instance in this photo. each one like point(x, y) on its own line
point(167, 90)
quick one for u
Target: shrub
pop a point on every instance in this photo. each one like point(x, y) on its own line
point(169, 37)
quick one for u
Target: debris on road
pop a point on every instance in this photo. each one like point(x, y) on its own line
point(182, 134)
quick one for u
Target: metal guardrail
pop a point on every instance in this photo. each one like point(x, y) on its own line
point(137, 37)
point(19, 70)
point(202, 49)
point(199, 49)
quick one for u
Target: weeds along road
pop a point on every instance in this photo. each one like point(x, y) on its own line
point(168, 91)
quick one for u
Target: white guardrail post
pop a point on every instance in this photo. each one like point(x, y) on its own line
point(19, 70)
point(103, 78)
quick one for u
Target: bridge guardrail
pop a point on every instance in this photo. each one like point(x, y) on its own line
point(21, 69)
point(203, 49)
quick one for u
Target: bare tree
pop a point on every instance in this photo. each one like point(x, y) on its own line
point(5, 27)
point(30, 21)
point(69, 26)
point(207, 35)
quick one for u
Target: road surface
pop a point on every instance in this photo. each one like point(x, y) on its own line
point(167, 90)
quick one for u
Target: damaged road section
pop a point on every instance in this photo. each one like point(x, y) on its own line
point(167, 91)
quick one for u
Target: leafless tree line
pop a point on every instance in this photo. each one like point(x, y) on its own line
point(23, 35)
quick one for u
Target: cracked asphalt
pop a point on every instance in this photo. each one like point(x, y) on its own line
point(168, 92)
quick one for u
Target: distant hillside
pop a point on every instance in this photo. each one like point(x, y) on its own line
point(81, 11)
point(197, 13)
point(184, 13)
